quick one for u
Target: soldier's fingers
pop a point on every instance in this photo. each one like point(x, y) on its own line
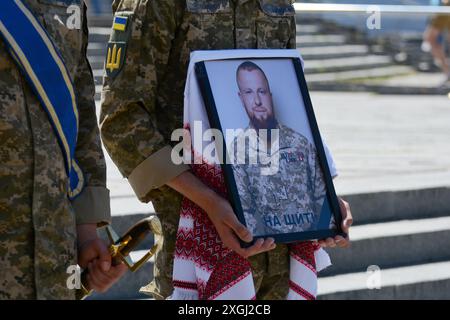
point(255, 248)
point(230, 241)
point(102, 278)
point(330, 242)
point(261, 246)
point(104, 255)
point(346, 214)
point(341, 241)
point(117, 271)
point(240, 230)
point(93, 281)
point(346, 224)
point(322, 243)
point(344, 244)
point(269, 244)
point(95, 249)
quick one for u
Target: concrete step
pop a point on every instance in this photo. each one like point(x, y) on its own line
point(393, 244)
point(305, 41)
point(306, 29)
point(347, 64)
point(98, 76)
point(425, 281)
point(376, 207)
point(99, 34)
point(330, 52)
point(97, 49)
point(97, 62)
point(98, 91)
point(104, 21)
point(330, 77)
point(378, 88)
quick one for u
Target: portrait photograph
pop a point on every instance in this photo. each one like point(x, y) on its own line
point(276, 168)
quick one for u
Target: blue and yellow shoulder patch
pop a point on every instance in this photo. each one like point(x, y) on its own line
point(120, 23)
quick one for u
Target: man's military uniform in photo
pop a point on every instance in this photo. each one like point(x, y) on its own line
point(284, 189)
point(142, 101)
point(43, 143)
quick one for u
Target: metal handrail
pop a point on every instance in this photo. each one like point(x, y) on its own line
point(365, 8)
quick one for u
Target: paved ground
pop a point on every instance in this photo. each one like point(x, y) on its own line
point(384, 142)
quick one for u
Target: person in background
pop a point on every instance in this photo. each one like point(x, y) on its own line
point(436, 36)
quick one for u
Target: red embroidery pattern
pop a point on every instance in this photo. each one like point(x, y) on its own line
point(232, 269)
point(201, 244)
point(304, 262)
point(305, 294)
point(185, 285)
point(305, 251)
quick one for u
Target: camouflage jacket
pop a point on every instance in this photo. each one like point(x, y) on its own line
point(146, 68)
point(284, 194)
point(37, 220)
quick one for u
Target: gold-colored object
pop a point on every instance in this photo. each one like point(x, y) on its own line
point(121, 247)
point(113, 61)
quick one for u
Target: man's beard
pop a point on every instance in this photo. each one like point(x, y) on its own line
point(268, 123)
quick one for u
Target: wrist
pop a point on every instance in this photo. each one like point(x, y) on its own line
point(86, 233)
point(210, 201)
point(192, 188)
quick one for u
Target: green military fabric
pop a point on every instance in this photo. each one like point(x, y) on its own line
point(37, 220)
point(142, 98)
point(286, 182)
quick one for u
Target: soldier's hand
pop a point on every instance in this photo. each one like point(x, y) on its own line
point(221, 214)
point(229, 229)
point(347, 221)
point(93, 255)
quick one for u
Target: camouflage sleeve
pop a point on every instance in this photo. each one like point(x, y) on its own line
point(245, 195)
point(92, 205)
point(292, 44)
point(242, 184)
point(129, 127)
point(318, 180)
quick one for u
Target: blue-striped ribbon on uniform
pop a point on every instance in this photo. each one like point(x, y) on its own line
point(42, 65)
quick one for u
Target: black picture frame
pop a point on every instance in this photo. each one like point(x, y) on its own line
point(213, 116)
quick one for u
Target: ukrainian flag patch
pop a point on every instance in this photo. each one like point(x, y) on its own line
point(120, 23)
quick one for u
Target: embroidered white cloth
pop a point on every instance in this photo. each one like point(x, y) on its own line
point(203, 267)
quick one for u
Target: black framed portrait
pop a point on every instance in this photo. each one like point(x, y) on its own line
point(276, 169)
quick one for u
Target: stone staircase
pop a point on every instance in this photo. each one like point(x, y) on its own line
point(336, 58)
point(406, 235)
point(342, 58)
point(334, 53)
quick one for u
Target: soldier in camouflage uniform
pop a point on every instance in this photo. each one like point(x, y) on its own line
point(38, 223)
point(282, 189)
point(142, 103)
